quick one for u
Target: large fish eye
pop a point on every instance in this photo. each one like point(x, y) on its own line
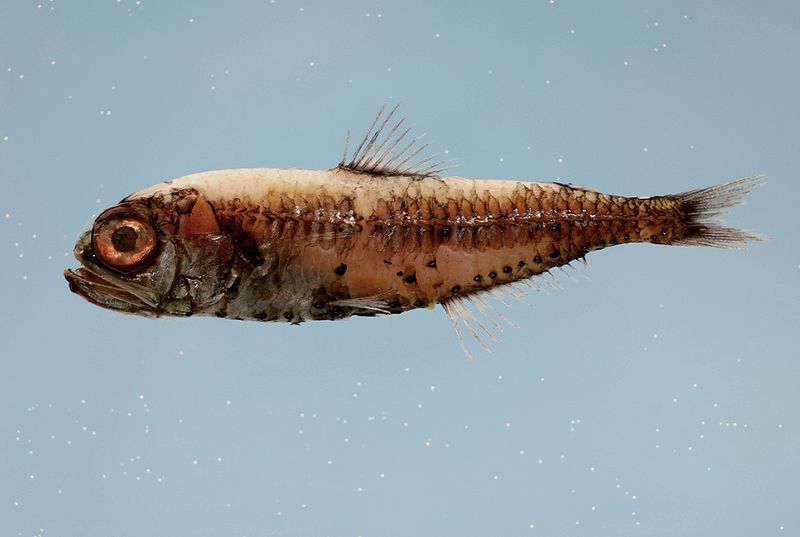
point(123, 241)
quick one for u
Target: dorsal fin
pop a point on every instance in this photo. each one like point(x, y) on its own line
point(389, 151)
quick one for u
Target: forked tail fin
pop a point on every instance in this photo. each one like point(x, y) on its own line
point(701, 209)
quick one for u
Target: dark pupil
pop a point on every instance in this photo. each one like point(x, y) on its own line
point(124, 239)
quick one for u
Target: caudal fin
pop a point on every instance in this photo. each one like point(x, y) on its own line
point(702, 208)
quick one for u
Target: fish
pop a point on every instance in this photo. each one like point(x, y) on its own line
point(382, 233)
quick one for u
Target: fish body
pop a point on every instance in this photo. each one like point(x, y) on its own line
point(364, 238)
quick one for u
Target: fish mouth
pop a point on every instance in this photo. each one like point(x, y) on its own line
point(108, 294)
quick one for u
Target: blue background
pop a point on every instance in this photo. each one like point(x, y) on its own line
point(658, 395)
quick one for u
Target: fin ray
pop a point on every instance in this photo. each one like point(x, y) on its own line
point(377, 154)
point(703, 207)
point(479, 315)
point(369, 303)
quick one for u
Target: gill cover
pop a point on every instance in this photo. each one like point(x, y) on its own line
point(205, 271)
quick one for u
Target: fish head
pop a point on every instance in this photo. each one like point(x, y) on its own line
point(157, 252)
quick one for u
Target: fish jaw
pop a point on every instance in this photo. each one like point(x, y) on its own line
point(106, 294)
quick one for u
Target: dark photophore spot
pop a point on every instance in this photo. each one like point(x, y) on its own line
point(537, 259)
point(340, 270)
point(411, 279)
point(556, 253)
point(455, 289)
point(507, 269)
point(493, 275)
point(432, 263)
point(477, 278)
